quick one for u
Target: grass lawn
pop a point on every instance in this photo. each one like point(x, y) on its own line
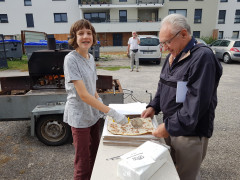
point(17, 64)
point(114, 68)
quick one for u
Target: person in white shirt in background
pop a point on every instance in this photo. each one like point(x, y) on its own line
point(133, 50)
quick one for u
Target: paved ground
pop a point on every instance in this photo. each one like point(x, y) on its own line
point(23, 157)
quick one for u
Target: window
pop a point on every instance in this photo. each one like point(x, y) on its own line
point(122, 0)
point(220, 35)
point(122, 16)
point(102, 16)
point(178, 0)
point(221, 16)
point(198, 16)
point(60, 17)
point(96, 17)
point(3, 18)
point(236, 44)
point(235, 34)
point(196, 34)
point(117, 39)
point(2, 0)
point(29, 18)
point(178, 11)
point(238, 0)
point(237, 16)
point(216, 43)
point(224, 43)
point(223, 0)
point(87, 16)
point(149, 42)
point(27, 3)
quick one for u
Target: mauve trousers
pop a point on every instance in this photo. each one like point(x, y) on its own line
point(86, 141)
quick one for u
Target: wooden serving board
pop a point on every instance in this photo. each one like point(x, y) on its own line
point(123, 143)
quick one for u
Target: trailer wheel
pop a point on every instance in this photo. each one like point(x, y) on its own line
point(52, 131)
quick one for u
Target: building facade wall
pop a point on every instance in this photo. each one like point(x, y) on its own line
point(132, 14)
point(106, 39)
point(229, 26)
point(209, 7)
point(43, 11)
point(43, 17)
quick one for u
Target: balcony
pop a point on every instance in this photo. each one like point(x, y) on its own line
point(92, 2)
point(103, 16)
point(148, 15)
point(150, 2)
point(111, 21)
point(105, 20)
point(130, 3)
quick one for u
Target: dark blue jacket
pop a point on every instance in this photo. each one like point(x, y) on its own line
point(195, 116)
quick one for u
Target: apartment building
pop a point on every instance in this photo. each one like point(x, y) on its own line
point(228, 22)
point(49, 16)
point(114, 20)
point(201, 14)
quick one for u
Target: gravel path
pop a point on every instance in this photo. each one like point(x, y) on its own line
point(23, 157)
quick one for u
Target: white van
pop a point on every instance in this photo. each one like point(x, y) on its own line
point(149, 48)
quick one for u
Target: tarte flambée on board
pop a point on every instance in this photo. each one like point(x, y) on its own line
point(128, 129)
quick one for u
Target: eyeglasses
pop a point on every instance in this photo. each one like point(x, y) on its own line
point(170, 40)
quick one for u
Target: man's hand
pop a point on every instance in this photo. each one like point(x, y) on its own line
point(161, 131)
point(149, 112)
point(128, 55)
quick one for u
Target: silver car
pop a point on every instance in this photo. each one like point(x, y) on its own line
point(227, 49)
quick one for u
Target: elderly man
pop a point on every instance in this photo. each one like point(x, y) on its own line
point(133, 50)
point(186, 95)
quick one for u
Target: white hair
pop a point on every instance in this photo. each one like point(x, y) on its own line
point(178, 23)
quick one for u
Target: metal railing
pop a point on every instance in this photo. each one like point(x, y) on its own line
point(86, 2)
point(92, 2)
point(149, 1)
point(119, 21)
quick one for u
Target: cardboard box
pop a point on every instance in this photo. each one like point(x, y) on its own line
point(143, 162)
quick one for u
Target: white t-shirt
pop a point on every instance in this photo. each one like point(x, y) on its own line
point(133, 43)
point(77, 113)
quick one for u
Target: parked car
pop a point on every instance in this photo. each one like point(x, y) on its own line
point(201, 41)
point(149, 48)
point(227, 49)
